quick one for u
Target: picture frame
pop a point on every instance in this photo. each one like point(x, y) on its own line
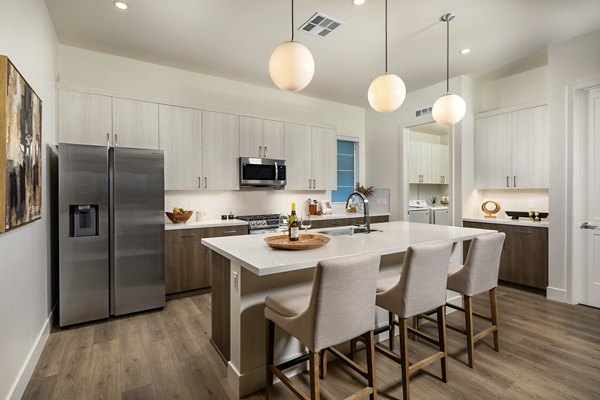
point(20, 149)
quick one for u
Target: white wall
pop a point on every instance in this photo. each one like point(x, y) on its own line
point(27, 37)
point(569, 62)
point(525, 87)
point(87, 69)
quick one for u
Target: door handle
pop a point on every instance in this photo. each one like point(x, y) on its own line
point(260, 151)
point(205, 182)
point(228, 232)
point(507, 181)
point(192, 235)
point(514, 180)
point(116, 140)
point(265, 152)
point(199, 183)
point(108, 140)
point(524, 232)
point(314, 183)
point(587, 225)
point(310, 183)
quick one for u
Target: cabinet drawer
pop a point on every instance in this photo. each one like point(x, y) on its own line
point(225, 231)
point(183, 235)
point(525, 232)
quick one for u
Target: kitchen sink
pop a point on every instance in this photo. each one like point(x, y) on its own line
point(346, 232)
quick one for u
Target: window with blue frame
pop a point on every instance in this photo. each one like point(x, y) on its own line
point(347, 167)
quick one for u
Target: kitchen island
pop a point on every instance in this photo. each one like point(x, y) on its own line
point(245, 270)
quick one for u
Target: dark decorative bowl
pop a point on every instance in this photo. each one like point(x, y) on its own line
point(179, 218)
point(524, 214)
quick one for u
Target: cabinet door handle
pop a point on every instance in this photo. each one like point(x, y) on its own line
point(524, 232)
point(227, 232)
point(116, 139)
point(515, 181)
point(314, 183)
point(199, 183)
point(265, 151)
point(191, 235)
point(310, 183)
point(108, 140)
point(507, 181)
point(205, 182)
point(260, 151)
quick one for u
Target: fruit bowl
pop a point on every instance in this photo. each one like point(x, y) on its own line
point(179, 218)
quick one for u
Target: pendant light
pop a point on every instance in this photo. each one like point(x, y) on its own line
point(450, 108)
point(387, 92)
point(291, 65)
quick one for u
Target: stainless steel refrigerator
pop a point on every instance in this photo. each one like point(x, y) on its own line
point(111, 231)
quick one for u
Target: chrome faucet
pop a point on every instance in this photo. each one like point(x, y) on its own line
point(366, 222)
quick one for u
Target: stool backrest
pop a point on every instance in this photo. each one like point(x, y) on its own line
point(422, 285)
point(480, 272)
point(343, 298)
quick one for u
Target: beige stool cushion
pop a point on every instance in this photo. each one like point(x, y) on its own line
point(422, 284)
point(480, 272)
point(341, 305)
point(290, 303)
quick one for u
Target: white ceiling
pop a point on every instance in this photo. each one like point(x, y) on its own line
point(234, 38)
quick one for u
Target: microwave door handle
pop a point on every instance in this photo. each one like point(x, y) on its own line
point(276, 171)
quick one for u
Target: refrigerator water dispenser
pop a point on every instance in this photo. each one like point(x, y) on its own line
point(83, 220)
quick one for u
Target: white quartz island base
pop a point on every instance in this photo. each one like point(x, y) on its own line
point(246, 270)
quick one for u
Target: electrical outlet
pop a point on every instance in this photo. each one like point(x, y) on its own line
point(235, 276)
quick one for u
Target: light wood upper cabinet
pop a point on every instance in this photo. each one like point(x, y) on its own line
point(428, 163)
point(324, 158)
point(262, 138)
point(221, 149)
point(530, 148)
point(180, 132)
point(511, 150)
point(84, 118)
point(444, 157)
point(135, 124)
point(298, 156)
point(274, 139)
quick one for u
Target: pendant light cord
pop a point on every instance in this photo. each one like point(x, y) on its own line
point(448, 55)
point(293, 20)
point(386, 37)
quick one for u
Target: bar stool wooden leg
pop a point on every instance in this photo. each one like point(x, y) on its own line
point(469, 328)
point(353, 349)
point(315, 384)
point(415, 325)
point(403, 323)
point(494, 307)
point(323, 363)
point(392, 330)
point(441, 315)
point(270, 357)
point(370, 345)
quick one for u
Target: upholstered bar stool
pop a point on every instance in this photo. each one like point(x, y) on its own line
point(478, 275)
point(339, 308)
point(421, 287)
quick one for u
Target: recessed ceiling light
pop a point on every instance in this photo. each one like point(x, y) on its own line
point(465, 51)
point(358, 2)
point(121, 5)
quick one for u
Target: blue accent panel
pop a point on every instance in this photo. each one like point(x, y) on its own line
point(345, 147)
point(345, 163)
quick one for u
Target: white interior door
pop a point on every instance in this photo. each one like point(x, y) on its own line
point(589, 282)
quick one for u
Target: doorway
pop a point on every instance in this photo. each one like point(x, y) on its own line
point(427, 175)
point(588, 205)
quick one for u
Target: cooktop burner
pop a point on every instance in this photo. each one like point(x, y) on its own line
point(261, 222)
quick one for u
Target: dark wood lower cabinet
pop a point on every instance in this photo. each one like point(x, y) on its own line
point(187, 261)
point(524, 256)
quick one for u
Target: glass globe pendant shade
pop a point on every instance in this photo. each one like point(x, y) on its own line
point(291, 66)
point(449, 109)
point(386, 93)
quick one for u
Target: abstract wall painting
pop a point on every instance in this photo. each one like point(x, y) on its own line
point(20, 149)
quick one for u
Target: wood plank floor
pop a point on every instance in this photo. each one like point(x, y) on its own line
point(548, 350)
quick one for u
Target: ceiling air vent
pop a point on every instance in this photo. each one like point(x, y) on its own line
point(320, 25)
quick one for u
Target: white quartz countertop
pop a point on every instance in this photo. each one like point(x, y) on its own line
point(344, 216)
point(252, 253)
point(208, 223)
point(507, 221)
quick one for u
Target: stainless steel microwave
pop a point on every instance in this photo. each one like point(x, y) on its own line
point(262, 172)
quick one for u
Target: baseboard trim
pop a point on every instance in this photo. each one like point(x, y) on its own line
point(556, 294)
point(18, 389)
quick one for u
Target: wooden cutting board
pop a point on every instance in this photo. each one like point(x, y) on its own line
point(305, 242)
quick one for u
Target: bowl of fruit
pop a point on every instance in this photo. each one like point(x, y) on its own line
point(179, 215)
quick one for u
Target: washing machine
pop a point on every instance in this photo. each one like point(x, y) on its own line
point(418, 211)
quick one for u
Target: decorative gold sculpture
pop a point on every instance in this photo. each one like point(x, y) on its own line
point(490, 208)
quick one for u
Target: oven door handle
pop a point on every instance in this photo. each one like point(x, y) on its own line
point(276, 171)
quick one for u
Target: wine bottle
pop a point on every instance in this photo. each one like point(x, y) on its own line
point(293, 226)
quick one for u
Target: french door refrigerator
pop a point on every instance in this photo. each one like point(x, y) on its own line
point(111, 231)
